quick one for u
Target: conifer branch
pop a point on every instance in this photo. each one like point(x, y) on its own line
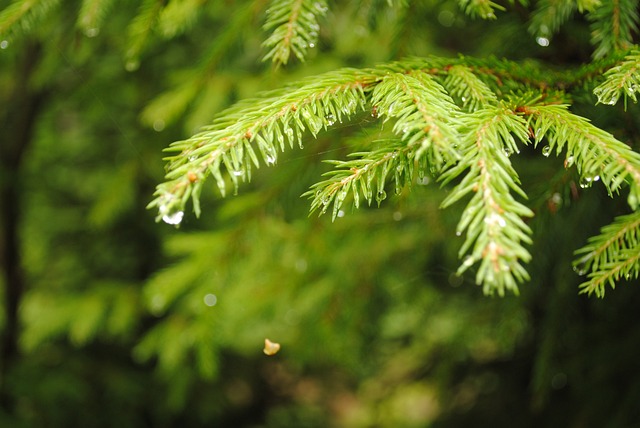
point(473, 137)
point(169, 105)
point(621, 79)
point(597, 154)
point(265, 125)
point(178, 16)
point(465, 86)
point(492, 219)
point(484, 9)
point(612, 255)
point(613, 25)
point(426, 121)
point(140, 28)
point(21, 16)
point(294, 26)
point(549, 15)
point(92, 14)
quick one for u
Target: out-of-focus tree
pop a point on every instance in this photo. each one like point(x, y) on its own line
point(111, 319)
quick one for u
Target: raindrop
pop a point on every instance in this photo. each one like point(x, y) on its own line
point(542, 41)
point(158, 125)
point(508, 152)
point(568, 162)
point(381, 196)
point(132, 65)
point(238, 172)
point(301, 265)
point(173, 218)
point(271, 159)
point(340, 213)
point(458, 233)
point(210, 300)
point(580, 269)
point(4, 44)
point(423, 181)
point(91, 32)
point(446, 18)
point(391, 108)
point(320, 7)
point(495, 219)
point(330, 119)
point(289, 133)
point(546, 151)
point(312, 45)
point(588, 180)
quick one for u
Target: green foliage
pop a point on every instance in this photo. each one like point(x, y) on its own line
point(613, 25)
point(436, 136)
point(148, 325)
point(21, 16)
point(294, 26)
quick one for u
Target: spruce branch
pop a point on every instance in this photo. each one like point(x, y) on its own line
point(597, 154)
point(495, 231)
point(140, 28)
point(623, 79)
point(265, 126)
point(178, 16)
point(426, 122)
point(484, 9)
point(92, 14)
point(612, 255)
point(465, 86)
point(549, 15)
point(613, 24)
point(294, 28)
point(21, 16)
point(169, 105)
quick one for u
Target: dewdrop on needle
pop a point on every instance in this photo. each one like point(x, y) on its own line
point(270, 348)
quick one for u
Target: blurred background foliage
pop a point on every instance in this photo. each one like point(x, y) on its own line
point(110, 319)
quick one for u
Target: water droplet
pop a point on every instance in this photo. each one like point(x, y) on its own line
point(157, 304)
point(546, 151)
point(158, 125)
point(301, 265)
point(508, 152)
point(91, 32)
point(271, 159)
point(312, 45)
point(556, 198)
point(330, 119)
point(289, 133)
point(568, 162)
point(495, 219)
point(468, 261)
point(174, 218)
point(340, 213)
point(321, 7)
point(132, 65)
point(238, 172)
point(542, 41)
point(391, 108)
point(381, 196)
point(4, 44)
point(458, 233)
point(210, 300)
point(579, 269)
point(423, 181)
